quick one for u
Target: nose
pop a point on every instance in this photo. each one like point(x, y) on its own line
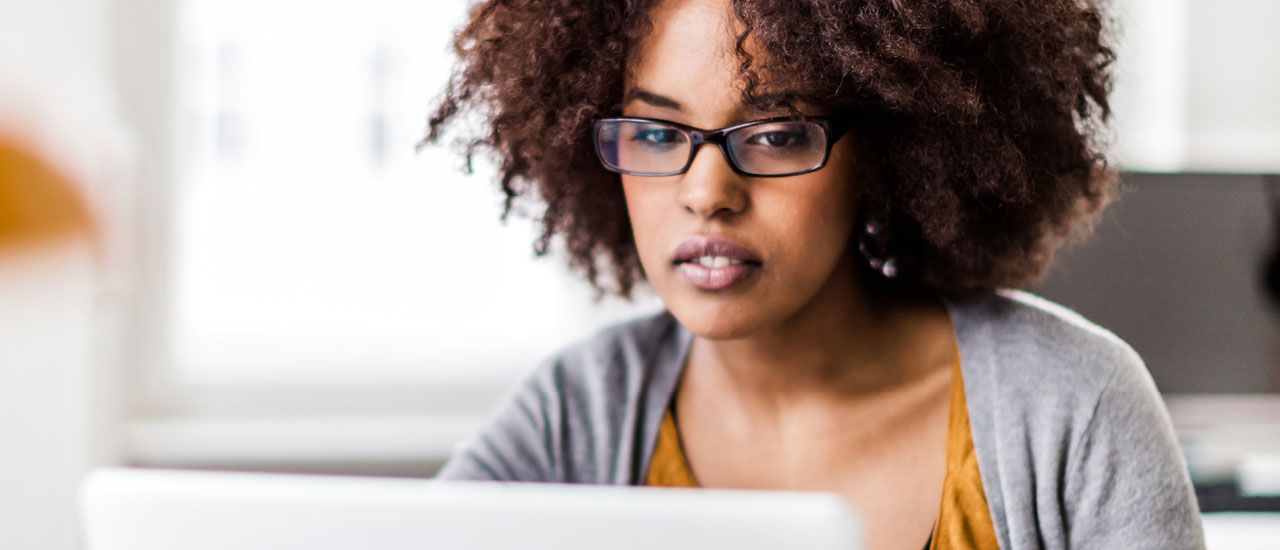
point(710, 188)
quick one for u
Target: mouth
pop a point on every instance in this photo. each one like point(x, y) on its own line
point(715, 264)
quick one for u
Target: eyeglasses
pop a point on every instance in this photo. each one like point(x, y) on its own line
point(769, 148)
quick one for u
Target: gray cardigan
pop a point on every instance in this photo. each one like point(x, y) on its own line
point(1074, 445)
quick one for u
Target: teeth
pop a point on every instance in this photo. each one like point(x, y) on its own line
point(715, 261)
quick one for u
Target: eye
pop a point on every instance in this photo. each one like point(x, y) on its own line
point(657, 136)
point(778, 138)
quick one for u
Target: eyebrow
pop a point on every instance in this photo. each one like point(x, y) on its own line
point(659, 100)
point(651, 98)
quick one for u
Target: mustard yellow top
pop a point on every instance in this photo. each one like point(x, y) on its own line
point(964, 522)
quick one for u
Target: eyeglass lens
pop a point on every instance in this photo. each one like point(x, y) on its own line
point(653, 148)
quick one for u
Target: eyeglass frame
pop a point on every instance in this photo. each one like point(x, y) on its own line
point(833, 128)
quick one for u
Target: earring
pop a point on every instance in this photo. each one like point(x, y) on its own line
point(885, 265)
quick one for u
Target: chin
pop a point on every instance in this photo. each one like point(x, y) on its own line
point(712, 319)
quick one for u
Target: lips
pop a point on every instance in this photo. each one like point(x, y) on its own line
point(699, 247)
point(715, 264)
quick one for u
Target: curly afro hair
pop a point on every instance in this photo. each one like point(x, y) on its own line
point(978, 133)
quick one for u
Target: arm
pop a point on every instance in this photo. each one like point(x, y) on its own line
point(1127, 485)
point(515, 445)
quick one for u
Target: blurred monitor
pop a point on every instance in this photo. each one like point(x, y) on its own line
point(1178, 267)
point(138, 509)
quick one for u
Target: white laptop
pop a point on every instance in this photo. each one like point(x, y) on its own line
point(140, 509)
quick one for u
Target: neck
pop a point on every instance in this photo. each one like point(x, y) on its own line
point(853, 340)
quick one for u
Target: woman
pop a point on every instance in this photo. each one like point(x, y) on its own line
point(829, 197)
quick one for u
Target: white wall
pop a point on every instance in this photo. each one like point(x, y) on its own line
point(47, 394)
point(1234, 85)
point(1196, 85)
point(1150, 98)
point(57, 384)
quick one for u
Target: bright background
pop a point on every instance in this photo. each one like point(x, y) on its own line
point(282, 284)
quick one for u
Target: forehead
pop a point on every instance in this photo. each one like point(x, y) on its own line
point(689, 56)
point(693, 24)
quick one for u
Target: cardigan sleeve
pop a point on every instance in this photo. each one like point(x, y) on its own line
point(515, 443)
point(1127, 485)
point(589, 414)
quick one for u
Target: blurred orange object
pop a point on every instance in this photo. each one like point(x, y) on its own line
point(37, 203)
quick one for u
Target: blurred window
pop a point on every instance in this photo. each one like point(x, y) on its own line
point(312, 247)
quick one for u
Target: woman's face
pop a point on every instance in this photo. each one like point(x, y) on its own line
point(793, 230)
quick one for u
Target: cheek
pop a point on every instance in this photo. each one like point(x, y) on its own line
point(819, 230)
point(646, 206)
point(813, 221)
point(823, 202)
point(833, 203)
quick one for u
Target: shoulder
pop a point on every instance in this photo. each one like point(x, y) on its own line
point(580, 416)
point(599, 400)
point(1063, 411)
point(1015, 316)
point(1036, 369)
point(614, 359)
point(1034, 342)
